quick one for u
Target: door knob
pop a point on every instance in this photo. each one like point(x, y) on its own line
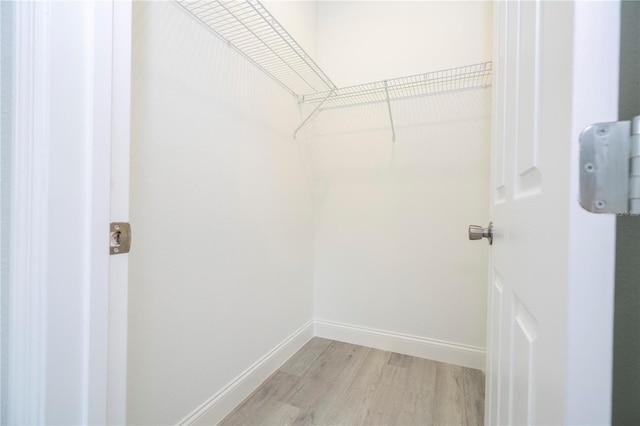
point(478, 232)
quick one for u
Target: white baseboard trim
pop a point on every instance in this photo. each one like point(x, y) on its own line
point(223, 402)
point(437, 350)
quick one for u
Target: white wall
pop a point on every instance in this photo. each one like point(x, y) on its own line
point(391, 248)
point(300, 19)
point(361, 41)
point(226, 206)
point(221, 212)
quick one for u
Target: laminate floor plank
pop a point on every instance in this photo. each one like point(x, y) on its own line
point(320, 379)
point(391, 398)
point(338, 389)
point(449, 407)
point(325, 382)
point(280, 414)
point(422, 392)
point(473, 381)
point(299, 363)
point(334, 383)
point(353, 408)
point(400, 360)
point(262, 401)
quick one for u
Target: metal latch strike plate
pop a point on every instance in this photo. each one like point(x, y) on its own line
point(119, 238)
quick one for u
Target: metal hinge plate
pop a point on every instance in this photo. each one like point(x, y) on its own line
point(610, 167)
point(119, 238)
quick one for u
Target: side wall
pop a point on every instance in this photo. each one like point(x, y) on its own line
point(393, 266)
point(221, 213)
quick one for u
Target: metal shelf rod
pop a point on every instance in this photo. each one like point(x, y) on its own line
point(393, 130)
point(444, 92)
point(316, 109)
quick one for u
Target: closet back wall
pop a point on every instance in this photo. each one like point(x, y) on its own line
point(393, 265)
point(221, 212)
point(362, 41)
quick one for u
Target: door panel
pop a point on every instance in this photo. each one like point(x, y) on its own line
point(494, 344)
point(527, 83)
point(535, 255)
point(525, 332)
point(499, 126)
point(504, 365)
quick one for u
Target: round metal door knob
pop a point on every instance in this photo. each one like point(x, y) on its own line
point(478, 232)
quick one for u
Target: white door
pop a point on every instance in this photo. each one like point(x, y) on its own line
point(550, 299)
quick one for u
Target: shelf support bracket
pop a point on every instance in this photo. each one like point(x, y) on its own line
point(393, 130)
point(313, 113)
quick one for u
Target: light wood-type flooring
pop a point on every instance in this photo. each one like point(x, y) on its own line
point(335, 383)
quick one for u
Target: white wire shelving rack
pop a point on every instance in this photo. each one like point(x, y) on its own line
point(249, 28)
point(427, 84)
point(431, 83)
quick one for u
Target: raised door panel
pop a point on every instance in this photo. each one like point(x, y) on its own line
point(499, 111)
point(494, 345)
point(528, 174)
point(524, 336)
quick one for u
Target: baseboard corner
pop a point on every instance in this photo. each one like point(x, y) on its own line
point(437, 350)
point(223, 402)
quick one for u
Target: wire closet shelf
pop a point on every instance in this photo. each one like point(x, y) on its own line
point(249, 28)
point(431, 83)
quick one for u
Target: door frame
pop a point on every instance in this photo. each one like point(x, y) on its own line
point(38, 217)
point(28, 215)
point(65, 56)
point(119, 211)
point(591, 292)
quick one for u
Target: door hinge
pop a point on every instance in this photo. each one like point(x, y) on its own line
point(119, 237)
point(610, 167)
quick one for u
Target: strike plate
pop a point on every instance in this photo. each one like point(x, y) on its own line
point(119, 238)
